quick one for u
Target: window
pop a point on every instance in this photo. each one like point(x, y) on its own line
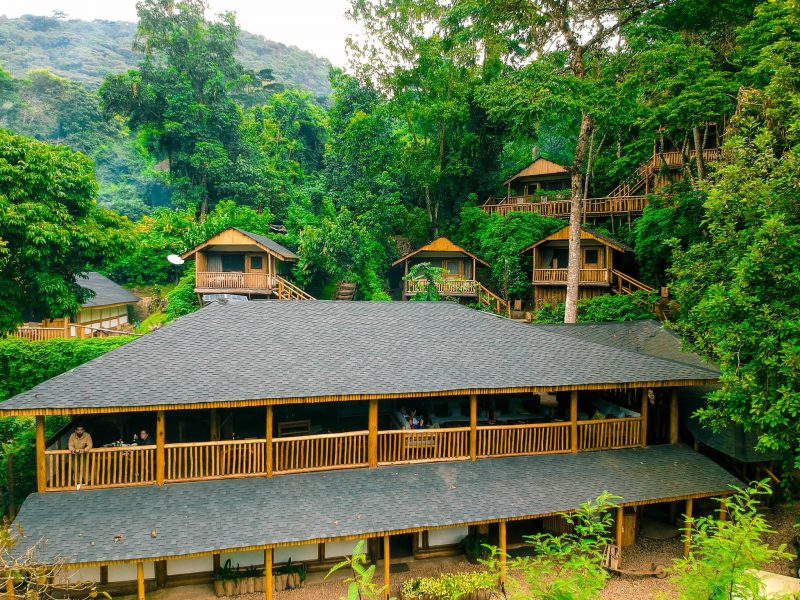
point(591, 256)
point(256, 263)
point(560, 258)
point(452, 268)
point(232, 263)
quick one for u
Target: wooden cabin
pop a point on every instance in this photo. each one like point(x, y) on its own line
point(105, 313)
point(240, 263)
point(422, 412)
point(459, 267)
point(598, 274)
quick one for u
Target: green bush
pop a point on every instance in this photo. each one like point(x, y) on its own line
point(448, 586)
point(609, 307)
point(182, 300)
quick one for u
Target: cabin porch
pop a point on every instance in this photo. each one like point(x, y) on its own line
point(197, 445)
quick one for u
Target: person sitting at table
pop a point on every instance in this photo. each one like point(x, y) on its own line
point(79, 443)
point(145, 439)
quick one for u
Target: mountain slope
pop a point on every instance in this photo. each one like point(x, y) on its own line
point(85, 51)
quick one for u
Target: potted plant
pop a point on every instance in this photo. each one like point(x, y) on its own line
point(293, 576)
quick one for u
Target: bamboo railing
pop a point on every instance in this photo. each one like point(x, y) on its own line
point(592, 207)
point(100, 467)
point(286, 290)
point(447, 287)
point(215, 460)
point(422, 445)
point(606, 434)
point(627, 285)
point(560, 275)
point(236, 281)
point(38, 334)
point(490, 300)
point(515, 440)
point(299, 454)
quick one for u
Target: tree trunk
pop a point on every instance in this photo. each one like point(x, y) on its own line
point(698, 149)
point(574, 266)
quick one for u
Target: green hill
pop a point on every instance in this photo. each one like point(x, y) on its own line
point(86, 51)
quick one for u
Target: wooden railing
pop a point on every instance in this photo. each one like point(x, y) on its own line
point(422, 445)
point(235, 281)
point(606, 434)
point(37, 334)
point(298, 454)
point(627, 285)
point(215, 460)
point(592, 207)
point(560, 276)
point(286, 290)
point(489, 300)
point(100, 467)
point(447, 287)
point(514, 440)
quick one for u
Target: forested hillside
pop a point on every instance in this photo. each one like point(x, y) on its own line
point(86, 52)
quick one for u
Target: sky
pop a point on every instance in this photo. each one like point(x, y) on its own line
point(319, 26)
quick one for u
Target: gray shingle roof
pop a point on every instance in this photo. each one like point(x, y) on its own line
point(106, 291)
point(217, 515)
point(277, 349)
point(269, 243)
point(646, 336)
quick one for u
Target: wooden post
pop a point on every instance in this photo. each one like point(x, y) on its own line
point(140, 581)
point(372, 446)
point(160, 451)
point(502, 542)
point(41, 466)
point(10, 592)
point(687, 539)
point(269, 440)
point(673, 416)
point(619, 532)
point(268, 583)
point(723, 509)
point(573, 419)
point(645, 404)
point(214, 425)
point(387, 567)
point(473, 426)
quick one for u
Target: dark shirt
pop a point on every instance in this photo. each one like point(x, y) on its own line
point(146, 442)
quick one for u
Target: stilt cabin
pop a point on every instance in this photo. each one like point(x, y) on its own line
point(240, 263)
point(459, 265)
point(104, 313)
point(598, 274)
point(295, 433)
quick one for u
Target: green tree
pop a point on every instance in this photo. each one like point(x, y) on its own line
point(433, 278)
point(725, 556)
point(51, 230)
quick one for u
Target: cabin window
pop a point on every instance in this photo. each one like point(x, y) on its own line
point(559, 260)
point(591, 256)
point(453, 268)
point(256, 263)
point(232, 263)
point(467, 270)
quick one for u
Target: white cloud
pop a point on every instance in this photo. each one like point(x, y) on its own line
point(319, 26)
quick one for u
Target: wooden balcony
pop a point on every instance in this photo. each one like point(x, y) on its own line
point(138, 465)
point(209, 281)
point(594, 276)
point(448, 287)
point(592, 207)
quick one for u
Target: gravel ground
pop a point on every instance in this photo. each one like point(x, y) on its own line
point(626, 587)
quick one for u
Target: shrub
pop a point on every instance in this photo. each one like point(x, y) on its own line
point(609, 307)
point(448, 586)
point(182, 300)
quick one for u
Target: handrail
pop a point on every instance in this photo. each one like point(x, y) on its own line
point(37, 334)
point(490, 300)
point(233, 280)
point(627, 284)
point(448, 286)
point(286, 290)
point(297, 438)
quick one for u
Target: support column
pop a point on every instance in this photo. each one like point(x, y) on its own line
point(502, 543)
point(268, 437)
point(372, 445)
point(473, 426)
point(10, 592)
point(269, 585)
point(160, 451)
point(41, 465)
point(140, 581)
point(214, 425)
point(387, 567)
point(619, 531)
point(687, 538)
point(723, 509)
point(645, 404)
point(673, 416)
point(573, 420)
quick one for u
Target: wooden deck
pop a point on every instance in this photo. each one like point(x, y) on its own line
point(138, 465)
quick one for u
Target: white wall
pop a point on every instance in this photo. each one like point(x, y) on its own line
point(128, 572)
point(243, 559)
point(447, 537)
point(182, 566)
point(75, 575)
point(337, 549)
point(297, 553)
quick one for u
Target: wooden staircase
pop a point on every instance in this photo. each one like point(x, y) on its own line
point(626, 284)
point(345, 290)
point(286, 290)
point(491, 301)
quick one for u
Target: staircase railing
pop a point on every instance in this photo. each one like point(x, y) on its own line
point(627, 284)
point(490, 300)
point(286, 290)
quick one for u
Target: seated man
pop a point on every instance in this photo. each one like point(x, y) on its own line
point(79, 443)
point(145, 439)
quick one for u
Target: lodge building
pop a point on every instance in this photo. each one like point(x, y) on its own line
point(290, 429)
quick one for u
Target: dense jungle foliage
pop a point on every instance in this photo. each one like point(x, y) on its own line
point(444, 101)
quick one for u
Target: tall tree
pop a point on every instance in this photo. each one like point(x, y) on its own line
point(51, 230)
